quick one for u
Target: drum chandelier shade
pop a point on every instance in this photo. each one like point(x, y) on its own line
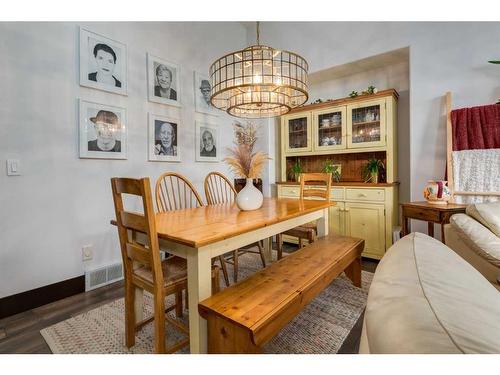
point(259, 81)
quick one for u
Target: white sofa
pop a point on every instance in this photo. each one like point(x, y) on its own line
point(424, 298)
point(475, 236)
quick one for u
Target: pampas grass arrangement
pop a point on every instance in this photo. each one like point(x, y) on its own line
point(242, 160)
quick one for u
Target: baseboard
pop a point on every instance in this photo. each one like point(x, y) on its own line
point(31, 299)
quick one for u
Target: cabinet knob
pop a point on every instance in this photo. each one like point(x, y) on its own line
point(363, 195)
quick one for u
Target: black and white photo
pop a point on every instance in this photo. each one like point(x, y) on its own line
point(163, 81)
point(103, 63)
point(207, 141)
point(163, 138)
point(103, 131)
point(202, 90)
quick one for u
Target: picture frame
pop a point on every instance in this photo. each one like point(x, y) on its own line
point(103, 63)
point(163, 138)
point(164, 84)
point(102, 131)
point(207, 142)
point(202, 89)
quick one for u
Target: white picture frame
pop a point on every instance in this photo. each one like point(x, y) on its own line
point(160, 69)
point(201, 139)
point(202, 90)
point(163, 138)
point(103, 57)
point(98, 123)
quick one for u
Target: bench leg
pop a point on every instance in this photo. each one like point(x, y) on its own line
point(353, 272)
point(227, 338)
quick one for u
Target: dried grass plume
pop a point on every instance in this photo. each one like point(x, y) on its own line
point(242, 160)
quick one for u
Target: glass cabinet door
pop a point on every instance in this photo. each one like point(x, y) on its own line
point(366, 124)
point(297, 133)
point(329, 129)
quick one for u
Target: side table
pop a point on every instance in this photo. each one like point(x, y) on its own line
point(432, 213)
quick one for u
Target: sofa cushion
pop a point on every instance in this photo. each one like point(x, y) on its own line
point(479, 238)
point(424, 298)
point(487, 214)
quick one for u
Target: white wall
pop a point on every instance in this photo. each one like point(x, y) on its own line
point(61, 202)
point(443, 57)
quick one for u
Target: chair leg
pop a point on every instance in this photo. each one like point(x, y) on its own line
point(215, 280)
point(279, 240)
point(300, 243)
point(261, 253)
point(186, 297)
point(129, 314)
point(159, 322)
point(224, 269)
point(178, 304)
point(235, 266)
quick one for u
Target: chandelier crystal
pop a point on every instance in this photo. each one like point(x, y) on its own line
point(259, 81)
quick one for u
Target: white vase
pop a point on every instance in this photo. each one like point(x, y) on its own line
point(249, 198)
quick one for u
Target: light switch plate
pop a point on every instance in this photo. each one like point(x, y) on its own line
point(13, 167)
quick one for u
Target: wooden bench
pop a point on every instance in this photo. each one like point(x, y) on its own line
point(243, 317)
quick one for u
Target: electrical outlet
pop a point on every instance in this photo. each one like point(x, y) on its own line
point(87, 253)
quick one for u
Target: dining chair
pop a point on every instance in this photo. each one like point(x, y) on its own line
point(308, 231)
point(218, 190)
point(144, 269)
point(175, 192)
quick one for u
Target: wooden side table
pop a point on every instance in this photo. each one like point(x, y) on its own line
point(432, 213)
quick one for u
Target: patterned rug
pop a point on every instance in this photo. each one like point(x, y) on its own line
point(320, 328)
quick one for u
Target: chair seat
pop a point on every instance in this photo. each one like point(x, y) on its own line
point(174, 271)
point(303, 231)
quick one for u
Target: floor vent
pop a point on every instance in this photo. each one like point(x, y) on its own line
point(103, 276)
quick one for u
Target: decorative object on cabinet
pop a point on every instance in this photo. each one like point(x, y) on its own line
point(436, 192)
point(363, 210)
point(370, 90)
point(353, 94)
point(244, 162)
point(334, 169)
point(259, 81)
point(372, 169)
point(103, 63)
point(296, 170)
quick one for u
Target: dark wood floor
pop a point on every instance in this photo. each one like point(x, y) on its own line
point(20, 333)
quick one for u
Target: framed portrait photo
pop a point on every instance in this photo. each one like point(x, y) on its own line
point(207, 142)
point(103, 63)
point(202, 88)
point(162, 139)
point(103, 131)
point(163, 81)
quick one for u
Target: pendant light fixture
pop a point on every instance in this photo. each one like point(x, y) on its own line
point(259, 81)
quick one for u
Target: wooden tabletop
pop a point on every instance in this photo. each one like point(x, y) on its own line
point(201, 226)
point(440, 207)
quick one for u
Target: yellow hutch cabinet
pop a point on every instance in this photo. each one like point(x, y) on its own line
point(347, 132)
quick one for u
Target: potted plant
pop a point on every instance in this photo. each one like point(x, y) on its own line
point(246, 163)
point(296, 170)
point(372, 169)
point(334, 169)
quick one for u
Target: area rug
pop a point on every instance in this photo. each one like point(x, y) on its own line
point(320, 328)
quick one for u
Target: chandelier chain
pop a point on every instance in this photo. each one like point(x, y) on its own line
point(258, 33)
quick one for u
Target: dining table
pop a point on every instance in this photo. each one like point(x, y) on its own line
point(202, 233)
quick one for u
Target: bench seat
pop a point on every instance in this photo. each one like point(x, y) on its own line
point(243, 317)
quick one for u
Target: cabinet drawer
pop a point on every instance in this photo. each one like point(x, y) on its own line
point(337, 194)
point(365, 194)
point(421, 214)
point(290, 191)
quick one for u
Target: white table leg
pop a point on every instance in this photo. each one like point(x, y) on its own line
point(199, 288)
point(268, 247)
point(323, 224)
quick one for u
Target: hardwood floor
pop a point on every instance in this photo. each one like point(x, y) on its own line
point(20, 333)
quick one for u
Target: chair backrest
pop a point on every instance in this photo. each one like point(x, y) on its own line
point(175, 192)
point(321, 178)
point(132, 251)
point(218, 189)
